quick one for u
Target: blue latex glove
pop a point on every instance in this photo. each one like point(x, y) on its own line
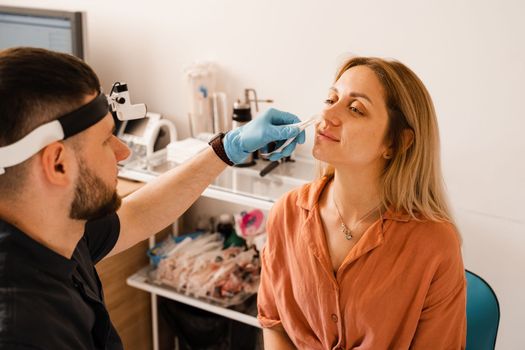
point(271, 126)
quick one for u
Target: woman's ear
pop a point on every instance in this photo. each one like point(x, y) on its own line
point(388, 152)
point(56, 165)
point(407, 139)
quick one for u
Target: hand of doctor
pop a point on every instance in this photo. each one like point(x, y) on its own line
point(271, 126)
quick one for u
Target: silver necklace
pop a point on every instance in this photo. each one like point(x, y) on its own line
point(348, 232)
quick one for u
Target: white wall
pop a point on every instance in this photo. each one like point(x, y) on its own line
point(470, 54)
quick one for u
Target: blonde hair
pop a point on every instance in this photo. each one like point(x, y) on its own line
point(412, 178)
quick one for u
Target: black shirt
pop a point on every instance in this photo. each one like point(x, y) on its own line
point(50, 302)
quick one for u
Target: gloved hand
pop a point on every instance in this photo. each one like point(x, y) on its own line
point(265, 128)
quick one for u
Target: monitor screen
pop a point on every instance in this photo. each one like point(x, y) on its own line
point(54, 30)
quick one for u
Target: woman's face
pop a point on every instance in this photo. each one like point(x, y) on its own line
point(352, 131)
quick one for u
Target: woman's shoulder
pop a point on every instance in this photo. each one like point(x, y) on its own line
point(435, 237)
point(438, 230)
point(418, 226)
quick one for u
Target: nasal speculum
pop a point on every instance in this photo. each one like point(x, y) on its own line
point(302, 126)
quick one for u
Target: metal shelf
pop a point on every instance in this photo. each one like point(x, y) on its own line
point(235, 185)
point(140, 280)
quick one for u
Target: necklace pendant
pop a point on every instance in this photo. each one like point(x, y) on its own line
point(346, 231)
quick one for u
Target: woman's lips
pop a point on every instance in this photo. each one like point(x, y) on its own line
point(327, 135)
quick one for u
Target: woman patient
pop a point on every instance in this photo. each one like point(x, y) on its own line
point(367, 256)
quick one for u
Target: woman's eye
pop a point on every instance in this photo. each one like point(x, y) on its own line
point(356, 110)
point(329, 101)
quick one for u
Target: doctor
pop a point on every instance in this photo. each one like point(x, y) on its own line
point(59, 210)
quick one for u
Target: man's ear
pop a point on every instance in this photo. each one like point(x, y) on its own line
point(56, 165)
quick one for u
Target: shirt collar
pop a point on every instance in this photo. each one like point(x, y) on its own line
point(309, 194)
point(36, 254)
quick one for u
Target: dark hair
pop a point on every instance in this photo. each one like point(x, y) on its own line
point(38, 86)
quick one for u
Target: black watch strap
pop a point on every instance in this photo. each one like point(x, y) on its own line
point(218, 148)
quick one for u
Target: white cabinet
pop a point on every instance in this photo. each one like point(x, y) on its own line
point(234, 187)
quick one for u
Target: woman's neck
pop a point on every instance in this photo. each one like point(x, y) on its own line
point(355, 192)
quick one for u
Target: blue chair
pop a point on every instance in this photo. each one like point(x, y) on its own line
point(483, 314)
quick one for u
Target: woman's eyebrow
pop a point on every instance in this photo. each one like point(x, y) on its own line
point(358, 94)
point(354, 94)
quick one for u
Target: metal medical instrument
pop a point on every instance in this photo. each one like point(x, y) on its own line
point(302, 126)
point(242, 114)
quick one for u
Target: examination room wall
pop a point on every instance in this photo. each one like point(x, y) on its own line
point(470, 55)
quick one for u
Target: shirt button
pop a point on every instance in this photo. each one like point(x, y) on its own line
point(334, 318)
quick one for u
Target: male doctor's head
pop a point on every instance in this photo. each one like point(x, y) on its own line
point(38, 86)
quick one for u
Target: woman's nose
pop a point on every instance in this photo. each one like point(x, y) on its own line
point(330, 116)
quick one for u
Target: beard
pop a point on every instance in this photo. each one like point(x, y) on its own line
point(93, 198)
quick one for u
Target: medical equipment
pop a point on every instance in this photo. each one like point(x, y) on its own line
point(275, 163)
point(121, 106)
point(117, 102)
point(302, 126)
point(201, 83)
point(267, 169)
point(221, 120)
point(242, 110)
point(200, 267)
point(208, 108)
point(242, 114)
point(241, 142)
point(222, 267)
point(147, 135)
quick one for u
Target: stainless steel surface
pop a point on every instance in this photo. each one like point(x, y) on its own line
point(245, 181)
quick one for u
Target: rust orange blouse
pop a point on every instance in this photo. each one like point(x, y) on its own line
point(401, 286)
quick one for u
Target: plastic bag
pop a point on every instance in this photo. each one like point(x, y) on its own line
point(199, 267)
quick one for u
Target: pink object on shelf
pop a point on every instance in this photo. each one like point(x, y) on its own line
point(249, 224)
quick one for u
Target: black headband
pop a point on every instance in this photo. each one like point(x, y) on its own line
point(84, 117)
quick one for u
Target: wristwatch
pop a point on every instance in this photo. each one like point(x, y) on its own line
point(218, 148)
